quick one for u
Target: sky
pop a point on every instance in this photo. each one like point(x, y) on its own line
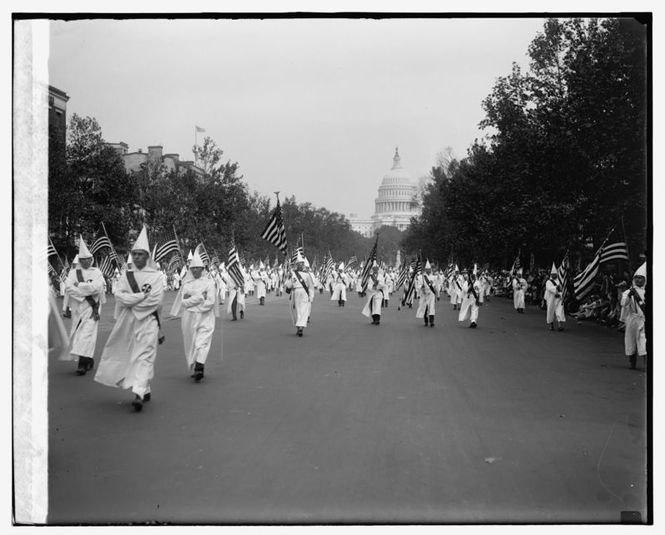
point(312, 108)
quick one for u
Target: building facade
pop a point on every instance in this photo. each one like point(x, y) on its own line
point(155, 155)
point(397, 200)
point(57, 124)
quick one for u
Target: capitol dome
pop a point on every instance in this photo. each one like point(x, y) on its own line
point(396, 203)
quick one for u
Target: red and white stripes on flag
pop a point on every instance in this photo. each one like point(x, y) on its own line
point(106, 267)
point(166, 249)
point(368, 265)
point(275, 232)
point(233, 267)
point(563, 271)
point(101, 243)
point(410, 290)
point(584, 281)
point(401, 278)
point(614, 251)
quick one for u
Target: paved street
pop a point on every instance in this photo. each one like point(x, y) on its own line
point(355, 423)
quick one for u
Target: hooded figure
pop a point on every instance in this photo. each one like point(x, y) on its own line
point(196, 303)
point(470, 291)
point(85, 288)
point(519, 290)
point(554, 301)
point(300, 286)
point(375, 288)
point(338, 285)
point(128, 358)
point(633, 312)
point(428, 293)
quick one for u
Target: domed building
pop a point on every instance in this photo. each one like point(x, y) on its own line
point(397, 201)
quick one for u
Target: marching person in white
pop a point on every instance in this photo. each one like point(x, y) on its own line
point(128, 359)
point(375, 286)
point(455, 288)
point(197, 304)
point(633, 305)
point(85, 288)
point(553, 300)
point(428, 295)
point(66, 310)
point(339, 287)
point(470, 299)
point(519, 289)
point(300, 286)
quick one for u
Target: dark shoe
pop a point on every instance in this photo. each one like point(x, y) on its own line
point(234, 319)
point(560, 328)
point(147, 397)
point(90, 363)
point(299, 331)
point(473, 325)
point(198, 372)
point(426, 323)
point(551, 326)
point(431, 321)
point(242, 314)
point(137, 403)
point(633, 362)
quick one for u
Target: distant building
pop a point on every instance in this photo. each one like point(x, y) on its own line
point(364, 227)
point(57, 123)
point(171, 161)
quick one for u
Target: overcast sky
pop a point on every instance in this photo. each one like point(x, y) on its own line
point(313, 108)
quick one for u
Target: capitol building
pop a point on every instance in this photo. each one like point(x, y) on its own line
point(396, 203)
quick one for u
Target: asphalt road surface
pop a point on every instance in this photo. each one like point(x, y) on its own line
point(355, 423)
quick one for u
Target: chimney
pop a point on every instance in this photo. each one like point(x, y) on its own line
point(155, 152)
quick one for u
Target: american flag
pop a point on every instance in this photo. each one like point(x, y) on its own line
point(563, 272)
point(106, 267)
point(583, 282)
point(174, 264)
point(368, 265)
point(516, 264)
point(401, 278)
point(294, 255)
point(165, 249)
point(328, 265)
point(99, 244)
point(233, 267)
point(275, 232)
point(614, 251)
point(410, 291)
point(351, 261)
point(50, 251)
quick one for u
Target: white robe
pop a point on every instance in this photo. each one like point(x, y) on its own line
point(554, 304)
point(469, 306)
point(301, 300)
point(427, 296)
point(128, 358)
point(83, 335)
point(519, 288)
point(198, 317)
point(339, 289)
point(374, 297)
point(635, 340)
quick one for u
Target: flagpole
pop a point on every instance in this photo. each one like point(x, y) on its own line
point(177, 241)
point(625, 239)
point(117, 258)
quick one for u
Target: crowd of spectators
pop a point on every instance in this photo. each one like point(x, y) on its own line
point(602, 304)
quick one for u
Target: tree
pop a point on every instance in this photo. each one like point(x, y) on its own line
point(564, 156)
